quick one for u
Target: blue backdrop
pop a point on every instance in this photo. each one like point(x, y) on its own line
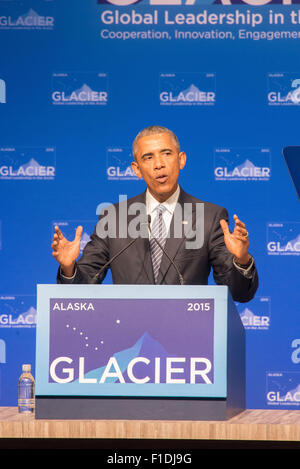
point(79, 79)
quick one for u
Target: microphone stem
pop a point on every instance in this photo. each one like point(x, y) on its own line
point(95, 278)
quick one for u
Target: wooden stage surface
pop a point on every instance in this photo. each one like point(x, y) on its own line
point(250, 425)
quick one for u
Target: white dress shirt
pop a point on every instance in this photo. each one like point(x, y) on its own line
point(169, 204)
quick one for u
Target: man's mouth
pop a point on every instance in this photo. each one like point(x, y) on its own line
point(161, 178)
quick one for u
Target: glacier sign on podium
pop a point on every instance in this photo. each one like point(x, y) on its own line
point(138, 352)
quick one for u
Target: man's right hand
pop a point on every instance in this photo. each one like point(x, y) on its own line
point(66, 252)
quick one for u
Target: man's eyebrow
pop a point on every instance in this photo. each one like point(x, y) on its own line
point(166, 149)
point(146, 154)
point(150, 153)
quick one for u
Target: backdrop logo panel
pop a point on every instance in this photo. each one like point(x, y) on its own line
point(118, 164)
point(192, 21)
point(242, 164)
point(257, 314)
point(187, 89)
point(79, 89)
point(68, 229)
point(20, 163)
point(17, 311)
point(284, 89)
point(27, 15)
point(283, 239)
point(283, 388)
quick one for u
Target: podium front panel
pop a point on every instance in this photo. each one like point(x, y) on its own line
point(132, 340)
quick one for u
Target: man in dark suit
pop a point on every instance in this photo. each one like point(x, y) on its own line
point(189, 256)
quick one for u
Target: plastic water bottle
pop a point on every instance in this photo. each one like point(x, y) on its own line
point(26, 387)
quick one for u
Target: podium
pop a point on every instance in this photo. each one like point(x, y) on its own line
point(141, 352)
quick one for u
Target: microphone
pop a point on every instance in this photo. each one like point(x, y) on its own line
point(165, 252)
point(96, 277)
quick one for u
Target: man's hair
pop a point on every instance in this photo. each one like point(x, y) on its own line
point(154, 130)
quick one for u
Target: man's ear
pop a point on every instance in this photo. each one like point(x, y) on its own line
point(136, 169)
point(182, 160)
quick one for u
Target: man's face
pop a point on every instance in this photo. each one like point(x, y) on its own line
point(158, 162)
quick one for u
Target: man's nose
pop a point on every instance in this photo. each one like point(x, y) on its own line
point(159, 162)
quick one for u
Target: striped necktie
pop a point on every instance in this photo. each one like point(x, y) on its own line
point(158, 232)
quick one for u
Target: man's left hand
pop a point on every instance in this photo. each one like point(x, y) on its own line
point(237, 242)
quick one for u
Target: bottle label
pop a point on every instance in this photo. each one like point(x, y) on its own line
point(26, 401)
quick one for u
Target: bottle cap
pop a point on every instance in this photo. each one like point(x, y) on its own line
point(26, 368)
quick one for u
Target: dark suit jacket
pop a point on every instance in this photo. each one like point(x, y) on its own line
point(134, 265)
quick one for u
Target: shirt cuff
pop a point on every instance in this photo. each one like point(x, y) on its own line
point(247, 272)
point(67, 278)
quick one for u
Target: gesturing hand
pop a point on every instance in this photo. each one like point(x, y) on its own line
point(66, 252)
point(237, 242)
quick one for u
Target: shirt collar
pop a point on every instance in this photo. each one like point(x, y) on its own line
point(170, 203)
